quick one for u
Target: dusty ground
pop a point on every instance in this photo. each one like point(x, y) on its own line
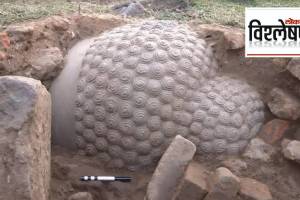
point(280, 175)
point(68, 167)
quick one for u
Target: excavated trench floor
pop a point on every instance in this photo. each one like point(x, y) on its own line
point(282, 176)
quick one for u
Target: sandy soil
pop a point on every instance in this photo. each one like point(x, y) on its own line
point(282, 176)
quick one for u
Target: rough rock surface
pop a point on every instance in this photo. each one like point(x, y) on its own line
point(236, 165)
point(25, 125)
point(221, 39)
point(291, 150)
point(170, 169)
point(223, 185)
point(253, 190)
point(294, 67)
point(284, 105)
point(81, 196)
point(234, 38)
point(194, 185)
point(46, 63)
point(274, 130)
point(258, 149)
point(28, 39)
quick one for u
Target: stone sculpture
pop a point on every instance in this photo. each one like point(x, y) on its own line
point(127, 93)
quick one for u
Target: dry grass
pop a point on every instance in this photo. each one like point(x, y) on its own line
point(231, 12)
point(226, 12)
point(18, 11)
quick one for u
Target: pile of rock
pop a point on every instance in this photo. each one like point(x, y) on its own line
point(286, 106)
point(177, 177)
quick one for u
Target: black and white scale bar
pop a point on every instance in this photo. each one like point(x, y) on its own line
point(106, 178)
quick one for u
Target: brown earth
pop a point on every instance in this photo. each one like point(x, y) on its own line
point(280, 175)
point(67, 168)
point(60, 32)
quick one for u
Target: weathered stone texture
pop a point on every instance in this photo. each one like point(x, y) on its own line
point(274, 130)
point(194, 185)
point(291, 150)
point(259, 150)
point(170, 169)
point(254, 190)
point(223, 185)
point(294, 67)
point(25, 118)
point(284, 105)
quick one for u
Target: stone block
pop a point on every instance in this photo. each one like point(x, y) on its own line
point(274, 130)
point(171, 169)
point(291, 150)
point(25, 126)
point(223, 185)
point(254, 190)
point(194, 185)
